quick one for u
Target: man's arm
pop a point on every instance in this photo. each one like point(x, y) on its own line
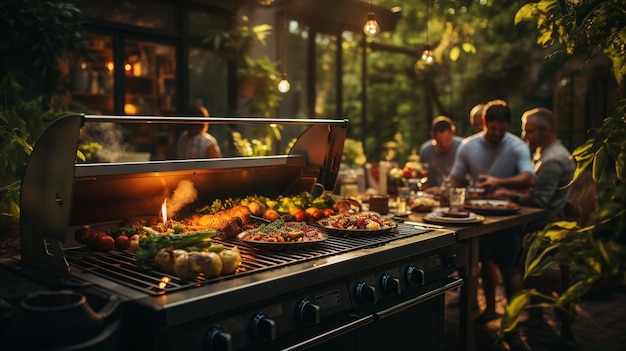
point(523, 180)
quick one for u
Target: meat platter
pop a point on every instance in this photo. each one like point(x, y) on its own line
point(492, 207)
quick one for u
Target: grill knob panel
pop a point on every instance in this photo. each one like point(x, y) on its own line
point(415, 276)
point(389, 284)
point(365, 293)
point(308, 312)
point(263, 328)
point(217, 340)
point(450, 260)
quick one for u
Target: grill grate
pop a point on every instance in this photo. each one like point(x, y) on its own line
point(121, 266)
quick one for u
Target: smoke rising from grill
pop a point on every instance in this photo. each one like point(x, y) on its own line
point(110, 136)
point(184, 194)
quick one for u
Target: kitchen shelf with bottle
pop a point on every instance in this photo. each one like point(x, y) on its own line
point(149, 71)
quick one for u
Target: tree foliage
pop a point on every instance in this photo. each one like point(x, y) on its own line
point(479, 55)
point(586, 27)
point(597, 251)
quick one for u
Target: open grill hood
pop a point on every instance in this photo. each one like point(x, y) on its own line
point(57, 192)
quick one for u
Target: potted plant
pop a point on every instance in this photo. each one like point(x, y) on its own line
point(257, 78)
point(260, 77)
point(595, 253)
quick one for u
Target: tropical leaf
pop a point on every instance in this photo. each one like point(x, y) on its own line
point(513, 310)
point(599, 164)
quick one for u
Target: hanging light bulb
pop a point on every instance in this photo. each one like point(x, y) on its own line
point(371, 27)
point(283, 85)
point(427, 55)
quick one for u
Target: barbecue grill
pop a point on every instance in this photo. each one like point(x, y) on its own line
point(343, 292)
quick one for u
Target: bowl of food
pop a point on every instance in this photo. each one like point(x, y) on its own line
point(422, 204)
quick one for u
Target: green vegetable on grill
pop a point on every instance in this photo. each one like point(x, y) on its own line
point(153, 242)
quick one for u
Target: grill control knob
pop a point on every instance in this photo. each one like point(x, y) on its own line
point(263, 328)
point(308, 312)
point(415, 276)
point(389, 284)
point(450, 260)
point(365, 293)
point(217, 340)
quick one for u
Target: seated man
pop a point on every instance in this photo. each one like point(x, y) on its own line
point(439, 151)
point(496, 158)
point(554, 169)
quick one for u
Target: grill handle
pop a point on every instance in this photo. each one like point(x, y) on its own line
point(446, 285)
point(335, 332)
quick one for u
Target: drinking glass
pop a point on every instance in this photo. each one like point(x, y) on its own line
point(457, 198)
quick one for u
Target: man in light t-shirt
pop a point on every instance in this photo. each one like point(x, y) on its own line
point(496, 158)
point(439, 151)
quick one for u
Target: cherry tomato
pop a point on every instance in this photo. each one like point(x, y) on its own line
point(94, 238)
point(122, 242)
point(318, 214)
point(105, 243)
point(328, 212)
point(300, 216)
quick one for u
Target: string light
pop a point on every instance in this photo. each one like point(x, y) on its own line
point(371, 27)
point(427, 55)
point(283, 85)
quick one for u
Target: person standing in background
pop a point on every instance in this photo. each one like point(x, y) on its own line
point(195, 141)
point(496, 158)
point(476, 118)
point(439, 151)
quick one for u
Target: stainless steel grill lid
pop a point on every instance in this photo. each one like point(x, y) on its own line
point(56, 192)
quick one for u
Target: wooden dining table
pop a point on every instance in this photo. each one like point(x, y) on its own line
point(466, 248)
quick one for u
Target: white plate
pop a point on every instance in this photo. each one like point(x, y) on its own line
point(432, 218)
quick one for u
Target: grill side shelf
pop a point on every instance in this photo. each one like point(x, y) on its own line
point(121, 267)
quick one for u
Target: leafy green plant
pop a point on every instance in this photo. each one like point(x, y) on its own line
point(588, 28)
point(37, 35)
point(21, 123)
point(262, 73)
point(237, 41)
point(596, 253)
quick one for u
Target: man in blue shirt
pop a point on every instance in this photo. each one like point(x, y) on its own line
point(439, 151)
point(496, 158)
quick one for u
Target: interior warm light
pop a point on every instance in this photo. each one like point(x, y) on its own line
point(266, 2)
point(130, 109)
point(110, 66)
point(164, 211)
point(128, 67)
point(371, 27)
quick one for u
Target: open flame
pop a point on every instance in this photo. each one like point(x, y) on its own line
point(164, 211)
